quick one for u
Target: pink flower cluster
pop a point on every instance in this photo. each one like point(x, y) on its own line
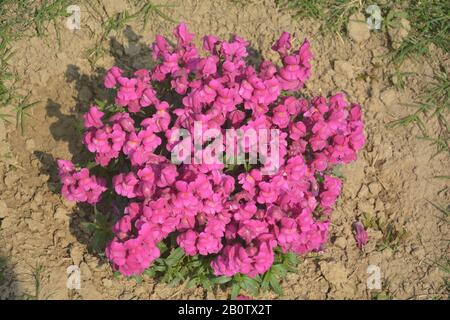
point(239, 218)
point(79, 185)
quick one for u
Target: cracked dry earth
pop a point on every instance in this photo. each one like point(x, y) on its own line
point(392, 181)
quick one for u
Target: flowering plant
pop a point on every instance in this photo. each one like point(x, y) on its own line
point(227, 220)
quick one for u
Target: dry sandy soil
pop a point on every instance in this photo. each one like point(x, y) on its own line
point(392, 181)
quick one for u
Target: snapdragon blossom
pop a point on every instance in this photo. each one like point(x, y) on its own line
point(238, 216)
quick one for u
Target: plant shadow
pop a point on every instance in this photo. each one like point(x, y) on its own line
point(69, 127)
point(9, 286)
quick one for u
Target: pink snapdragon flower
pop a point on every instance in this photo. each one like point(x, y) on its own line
point(112, 76)
point(361, 236)
point(79, 185)
point(93, 118)
point(250, 229)
point(332, 189)
point(126, 184)
point(133, 256)
point(238, 214)
point(281, 116)
point(296, 67)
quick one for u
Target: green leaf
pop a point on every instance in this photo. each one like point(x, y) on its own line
point(91, 164)
point(192, 283)
point(174, 257)
point(250, 285)
point(160, 268)
point(175, 282)
point(265, 281)
point(221, 280)
point(100, 103)
point(162, 247)
point(276, 285)
point(291, 258)
point(279, 270)
point(117, 274)
point(206, 283)
point(89, 226)
point(235, 290)
point(100, 239)
point(150, 272)
point(195, 264)
point(237, 277)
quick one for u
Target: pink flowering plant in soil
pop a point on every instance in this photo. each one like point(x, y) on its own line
point(212, 223)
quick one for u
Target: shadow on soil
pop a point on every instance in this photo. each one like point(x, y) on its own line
point(9, 286)
point(131, 56)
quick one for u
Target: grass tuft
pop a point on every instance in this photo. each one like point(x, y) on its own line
point(22, 111)
point(18, 18)
point(430, 24)
point(334, 15)
point(433, 102)
point(37, 276)
point(429, 19)
point(48, 12)
point(119, 21)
